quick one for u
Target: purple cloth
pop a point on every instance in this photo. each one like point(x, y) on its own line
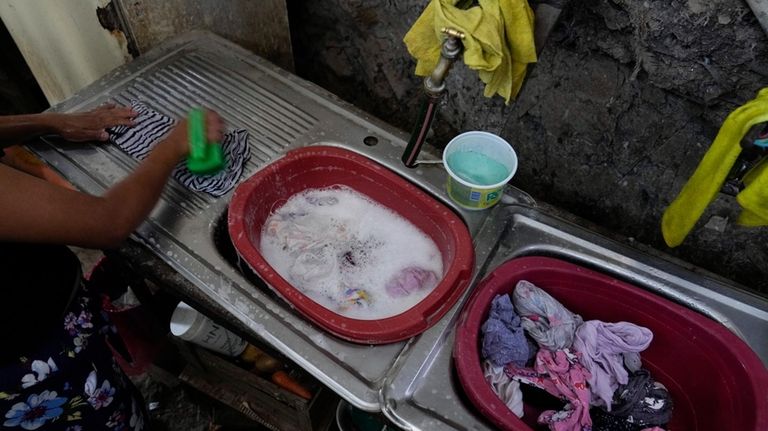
point(604, 347)
point(561, 374)
point(545, 319)
point(410, 280)
point(503, 338)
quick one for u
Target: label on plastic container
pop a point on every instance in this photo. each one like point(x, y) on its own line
point(220, 340)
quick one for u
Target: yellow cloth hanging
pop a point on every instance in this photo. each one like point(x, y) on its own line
point(498, 44)
point(703, 186)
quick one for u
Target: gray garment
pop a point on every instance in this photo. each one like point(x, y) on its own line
point(642, 401)
point(545, 319)
point(505, 388)
point(151, 126)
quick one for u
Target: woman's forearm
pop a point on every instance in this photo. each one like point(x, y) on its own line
point(130, 201)
point(79, 126)
point(15, 129)
point(34, 210)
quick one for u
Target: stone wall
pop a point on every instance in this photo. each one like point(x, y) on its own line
point(625, 99)
point(260, 26)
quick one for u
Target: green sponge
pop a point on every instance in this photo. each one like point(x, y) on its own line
point(205, 158)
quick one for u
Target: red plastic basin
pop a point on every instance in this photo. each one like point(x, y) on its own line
point(322, 166)
point(716, 381)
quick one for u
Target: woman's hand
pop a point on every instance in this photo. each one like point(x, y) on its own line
point(91, 125)
point(177, 142)
point(53, 214)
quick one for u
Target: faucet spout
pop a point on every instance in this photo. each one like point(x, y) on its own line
point(434, 87)
point(449, 52)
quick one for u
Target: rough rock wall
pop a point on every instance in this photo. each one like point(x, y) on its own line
point(260, 26)
point(625, 99)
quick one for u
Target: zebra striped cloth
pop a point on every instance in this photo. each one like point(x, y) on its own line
point(150, 126)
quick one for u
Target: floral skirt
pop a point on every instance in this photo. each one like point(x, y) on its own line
point(71, 382)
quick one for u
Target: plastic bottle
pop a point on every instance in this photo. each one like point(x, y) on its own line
point(205, 158)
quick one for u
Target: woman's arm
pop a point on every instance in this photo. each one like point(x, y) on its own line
point(32, 210)
point(81, 126)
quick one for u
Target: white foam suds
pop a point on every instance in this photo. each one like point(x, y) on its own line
point(341, 249)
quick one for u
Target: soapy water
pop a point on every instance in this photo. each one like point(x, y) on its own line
point(350, 254)
point(477, 168)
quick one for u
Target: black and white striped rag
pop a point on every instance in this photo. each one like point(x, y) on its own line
point(150, 126)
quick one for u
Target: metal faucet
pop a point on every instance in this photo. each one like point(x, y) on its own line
point(434, 87)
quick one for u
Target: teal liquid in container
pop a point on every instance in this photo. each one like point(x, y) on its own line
point(477, 168)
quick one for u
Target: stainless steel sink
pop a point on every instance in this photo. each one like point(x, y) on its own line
point(425, 394)
point(187, 230)
point(410, 381)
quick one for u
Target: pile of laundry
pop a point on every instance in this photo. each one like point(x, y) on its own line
point(593, 366)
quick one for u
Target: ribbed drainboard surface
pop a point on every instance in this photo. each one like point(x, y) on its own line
point(272, 122)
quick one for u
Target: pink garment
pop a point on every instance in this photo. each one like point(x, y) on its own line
point(561, 374)
point(410, 280)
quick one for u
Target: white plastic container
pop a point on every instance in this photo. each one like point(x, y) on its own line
point(475, 195)
point(188, 324)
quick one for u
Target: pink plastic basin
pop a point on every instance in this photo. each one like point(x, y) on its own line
point(322, 166)
point(716, 381)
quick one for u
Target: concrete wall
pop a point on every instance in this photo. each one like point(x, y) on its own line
point(260, 26)
point(626, 98)
point(70, 43)
point(19, 92)
point(63, 43)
